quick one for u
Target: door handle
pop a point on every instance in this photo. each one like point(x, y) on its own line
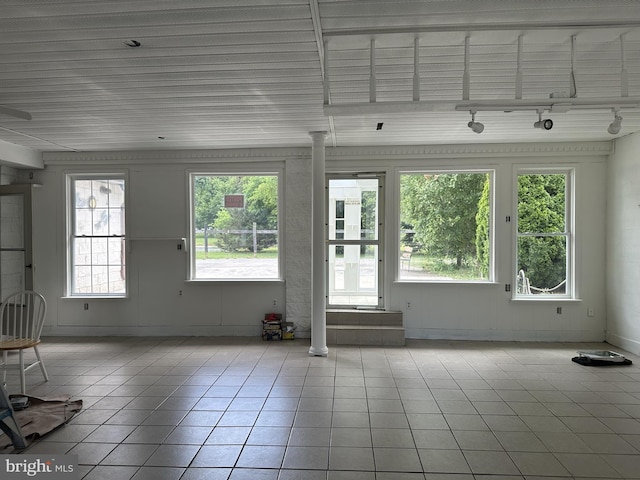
point(29, 266)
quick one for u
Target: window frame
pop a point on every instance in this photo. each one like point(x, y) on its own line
point(569, 233)
point(70, 212)
point(483, 170)
point(277, 172)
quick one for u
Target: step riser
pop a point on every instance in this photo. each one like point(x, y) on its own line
point(372, 328)
point(365, 336)
point(364, 318)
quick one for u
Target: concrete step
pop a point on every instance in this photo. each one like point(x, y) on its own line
point(364, 317)
point(365, 327)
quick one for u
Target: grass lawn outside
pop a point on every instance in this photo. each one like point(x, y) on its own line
point(445, 267)
point(214, 253)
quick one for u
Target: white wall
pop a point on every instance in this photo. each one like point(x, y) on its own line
point(160, 301)
point(486, 311)
point(623, 244)
point(158, 206)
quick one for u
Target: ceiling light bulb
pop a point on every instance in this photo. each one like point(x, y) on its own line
point(616, 125)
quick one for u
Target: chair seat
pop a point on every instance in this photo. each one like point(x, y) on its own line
point(18, 344)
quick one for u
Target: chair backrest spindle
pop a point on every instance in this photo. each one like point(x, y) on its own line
point(22, 316)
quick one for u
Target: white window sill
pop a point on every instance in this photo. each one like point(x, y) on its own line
point(546, 299)
point(233, 280)
point(95, 297)
point(445, 282)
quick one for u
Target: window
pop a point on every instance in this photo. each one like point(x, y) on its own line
point(445, 226)
point(97, 254)
point(543, 235)
point(234, 227)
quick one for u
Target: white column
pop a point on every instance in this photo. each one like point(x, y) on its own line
point(318, 285)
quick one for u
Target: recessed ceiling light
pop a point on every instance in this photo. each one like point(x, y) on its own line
point(132, 43)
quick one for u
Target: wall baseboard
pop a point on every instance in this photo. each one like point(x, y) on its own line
point(504, 335)
point(628, 344)
point(119, 331)
point(156, 331)
point(410, 333)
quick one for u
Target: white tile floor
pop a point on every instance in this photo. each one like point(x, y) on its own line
point(233, 409)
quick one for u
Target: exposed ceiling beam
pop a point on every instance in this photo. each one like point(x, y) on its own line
point(317, 29)
point(556, 105)
point(20, 157)
point(481, 27)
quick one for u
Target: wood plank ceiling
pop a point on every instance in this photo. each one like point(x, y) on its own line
point(249, 73)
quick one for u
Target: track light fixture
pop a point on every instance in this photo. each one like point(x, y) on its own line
point(546, 124)
point(616, 125)
point(571, 104)
point(477, 127)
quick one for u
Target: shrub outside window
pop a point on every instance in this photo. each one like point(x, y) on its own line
point(234, 227)
point(445, 226)
point(543, 235)
point(97, 254)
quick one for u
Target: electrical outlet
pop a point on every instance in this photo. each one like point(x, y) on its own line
point(275, 302)
point(559, 310)
point(86, 306)
point(590, 312)
point(408, 305)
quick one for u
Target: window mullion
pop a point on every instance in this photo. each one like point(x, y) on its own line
point(552, 234)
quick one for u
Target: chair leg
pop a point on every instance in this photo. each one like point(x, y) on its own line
point(41, 363)
point(23, 377)
point(4, 367)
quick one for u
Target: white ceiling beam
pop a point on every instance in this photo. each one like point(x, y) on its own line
point(416, 69)
point(519, 74)
point(624, 75)
point(554, 105)
point(20, 157)
point(366, 108)
point(481, 27)
point(322, 52)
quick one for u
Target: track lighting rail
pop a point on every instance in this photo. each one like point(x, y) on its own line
point(552, 105)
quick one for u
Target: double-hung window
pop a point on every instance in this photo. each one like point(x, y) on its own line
point(446, 226)
point(96, 235)
point(544, 240)
point(234, 226)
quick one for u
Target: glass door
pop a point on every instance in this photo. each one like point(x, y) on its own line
point(354, 229)
point(16, 269)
